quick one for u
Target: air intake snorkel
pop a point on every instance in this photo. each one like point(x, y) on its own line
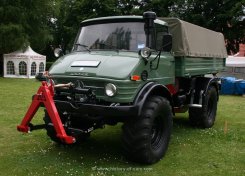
point(149, 18)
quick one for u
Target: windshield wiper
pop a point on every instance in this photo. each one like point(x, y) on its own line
point(84, 46)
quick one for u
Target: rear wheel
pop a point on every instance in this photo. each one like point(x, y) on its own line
point(146, 138)
point(205, 116)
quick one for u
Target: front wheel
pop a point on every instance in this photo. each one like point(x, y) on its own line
point(146, 138)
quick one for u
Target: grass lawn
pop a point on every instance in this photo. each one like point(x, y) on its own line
point(214, 151)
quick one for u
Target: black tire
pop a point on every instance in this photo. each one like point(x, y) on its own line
point(205, 117)
point(52, 133)
point(146, 138)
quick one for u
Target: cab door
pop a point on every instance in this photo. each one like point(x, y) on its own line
point(162, 65)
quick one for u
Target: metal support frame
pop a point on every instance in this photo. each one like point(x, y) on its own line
point(44, 96)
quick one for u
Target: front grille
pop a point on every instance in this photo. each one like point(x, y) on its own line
point(125, 94)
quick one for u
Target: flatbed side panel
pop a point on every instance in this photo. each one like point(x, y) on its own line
point(191, 66)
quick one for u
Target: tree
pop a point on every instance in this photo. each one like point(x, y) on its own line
point(75, 11)
point(72, 13)
point(23, 23)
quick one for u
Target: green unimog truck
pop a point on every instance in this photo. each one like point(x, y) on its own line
point(138, 70)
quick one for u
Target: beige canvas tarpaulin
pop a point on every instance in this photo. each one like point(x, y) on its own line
point(195, 41)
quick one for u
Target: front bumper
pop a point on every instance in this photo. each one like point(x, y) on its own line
point(98, 110)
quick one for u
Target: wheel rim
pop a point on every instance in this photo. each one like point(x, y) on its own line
point(157, 133)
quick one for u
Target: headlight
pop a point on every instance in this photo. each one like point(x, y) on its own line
point(58, 52)
point(110, 89)
point(145, 53)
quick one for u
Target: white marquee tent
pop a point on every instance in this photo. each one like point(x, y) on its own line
point(232, 61)
point(235, 67)
point(23, 64)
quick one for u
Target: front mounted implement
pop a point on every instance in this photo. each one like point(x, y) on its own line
point(44, 96)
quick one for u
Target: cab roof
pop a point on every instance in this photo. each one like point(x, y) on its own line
point(131, 18)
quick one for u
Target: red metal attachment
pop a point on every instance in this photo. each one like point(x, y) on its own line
point(44, 96)
point(171, 89)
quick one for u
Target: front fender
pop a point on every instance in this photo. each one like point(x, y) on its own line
point(148, 90)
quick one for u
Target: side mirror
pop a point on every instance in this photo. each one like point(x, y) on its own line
point(167, 42)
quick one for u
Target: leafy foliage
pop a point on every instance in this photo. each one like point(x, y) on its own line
point(222, 16)
point(25, 22)
point(47, 24)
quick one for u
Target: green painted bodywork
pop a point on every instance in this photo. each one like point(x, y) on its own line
point(112, 65)
point(191, 66)
point(115, 67)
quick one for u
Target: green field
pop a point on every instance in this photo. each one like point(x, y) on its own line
point(215, 151)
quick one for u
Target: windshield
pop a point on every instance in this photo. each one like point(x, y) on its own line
point(119, 36)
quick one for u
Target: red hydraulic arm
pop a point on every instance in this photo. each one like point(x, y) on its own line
point(44, 96)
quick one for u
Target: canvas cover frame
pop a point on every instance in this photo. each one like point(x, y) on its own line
point(195, 41)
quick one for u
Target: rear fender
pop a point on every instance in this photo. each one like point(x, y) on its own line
point(206, 83)
point(201, 87)
point(213, 82)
